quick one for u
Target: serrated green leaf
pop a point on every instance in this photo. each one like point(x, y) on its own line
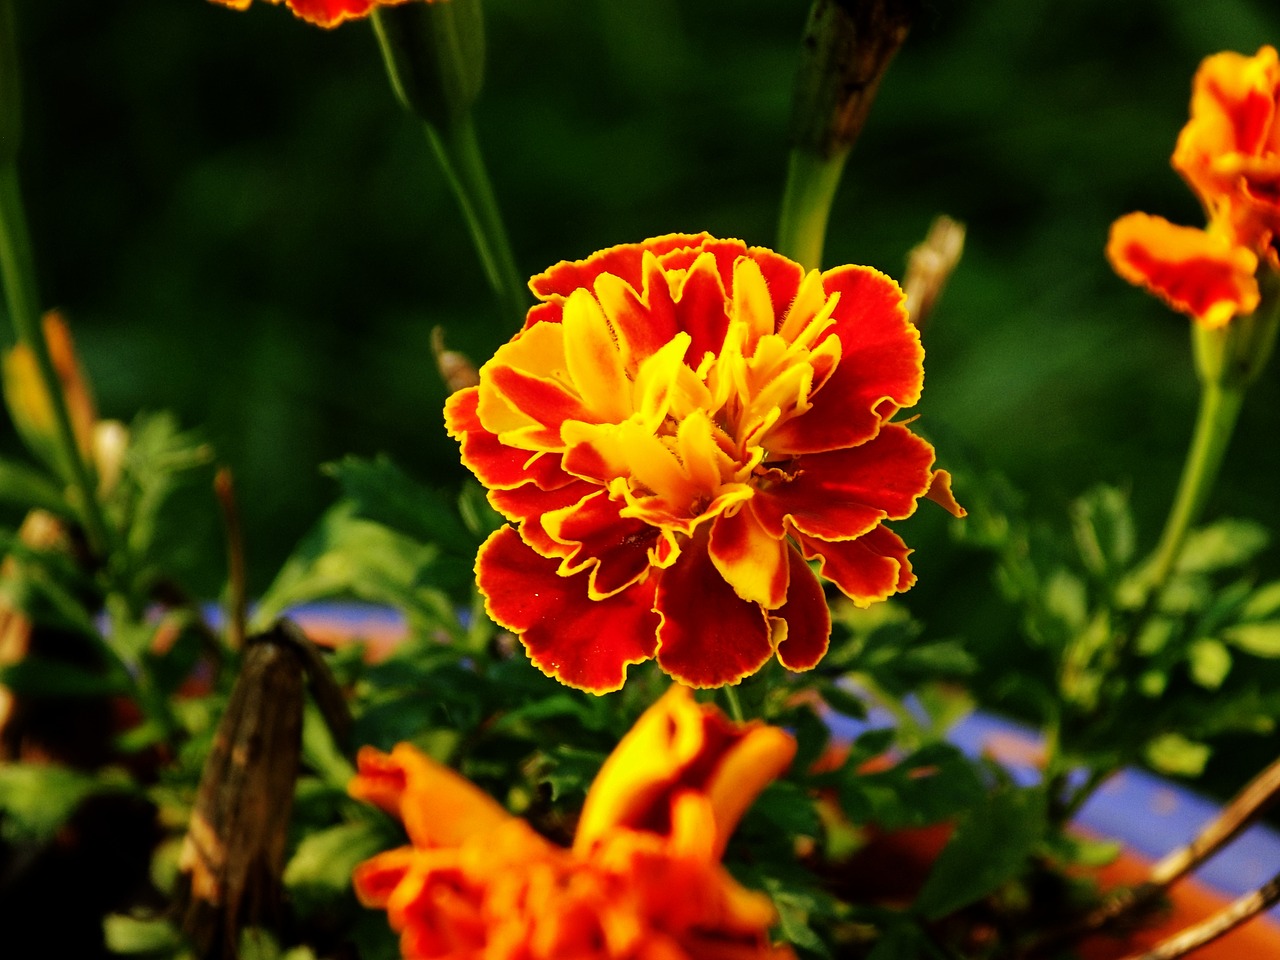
point(1174, 754)
point(258, 944)
point(319, 872)
point(346, 556)
point(990, 847)
point(1264, 602)
point(795, 909)
point(128, 935)
point(1066, 599)
point(37, 799)
point(1209, 662)
point(385, 494)
point(476, 512)
point(1260, 639)
point(842, 701)
point(1104, 532)
point(1227, 543)
point(27, 488)
point(40, 677)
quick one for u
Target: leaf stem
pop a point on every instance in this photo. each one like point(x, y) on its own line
point(458, 150)
point(733, 703)
point(1219, 409)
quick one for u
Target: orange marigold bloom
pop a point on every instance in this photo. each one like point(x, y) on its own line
point(680, 425)
point(324, 13)
point(643, 880)
point(1229, 153)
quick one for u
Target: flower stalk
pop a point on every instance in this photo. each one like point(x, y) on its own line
point(434, 55)
point(17, 267)
point(1228, 359)
point(846, 50)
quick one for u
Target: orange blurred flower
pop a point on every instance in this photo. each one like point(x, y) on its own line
point(643, 879)
point(324, 13)
point(681, 425)
point(1229, 153)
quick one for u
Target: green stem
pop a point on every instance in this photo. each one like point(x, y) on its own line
point(459, 154)
point(812, 179)
point(18, 269)
point(1219, 409)
point(733, 703)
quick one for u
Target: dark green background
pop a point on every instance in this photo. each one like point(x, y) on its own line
point(242, 225)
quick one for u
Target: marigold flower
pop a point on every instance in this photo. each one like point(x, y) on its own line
point(681, 425)
point(1229, 153)
point(643, 880)
point(324, 13)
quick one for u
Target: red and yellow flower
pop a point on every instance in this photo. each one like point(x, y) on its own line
point(324, 13)
point(1229, 153)
point(680, 426)
point(643, 880)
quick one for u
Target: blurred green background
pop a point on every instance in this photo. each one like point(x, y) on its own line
point(243, 226)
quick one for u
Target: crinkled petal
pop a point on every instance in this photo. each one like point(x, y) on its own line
point(880, 369)
point(703, 308)
point(842, 494)
point(807, 616)
point(622, 261)
point(496, 465)
point(873, 567)
point(1195, 272)
point(438, 807)
point(376, 879)
point(582, 642)
point(612, 548)
point(709, 636)
point(751, 558)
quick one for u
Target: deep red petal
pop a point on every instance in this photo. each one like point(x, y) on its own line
point(873, 567)
point(495, 464)
point(880, 369)
point(581, 642)
point(808, 618)
point(844, 493)
point(709, 636)
point(619, 544)
point(703, 310)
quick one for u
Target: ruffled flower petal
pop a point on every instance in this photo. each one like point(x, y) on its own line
point(585, 643)
point(879, 372)
point(806, 617)
point(709, 635)
point(841, 494)
point(680, 745)
point(407, 785)
point(873, 567)
point(750, 557)
point(1194, 271)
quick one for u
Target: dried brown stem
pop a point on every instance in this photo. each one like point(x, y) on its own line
point(1222, 922)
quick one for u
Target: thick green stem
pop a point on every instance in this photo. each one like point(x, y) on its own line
point(1219, 409)
point(811, 185)
point(18, 270)
point(459, 154)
